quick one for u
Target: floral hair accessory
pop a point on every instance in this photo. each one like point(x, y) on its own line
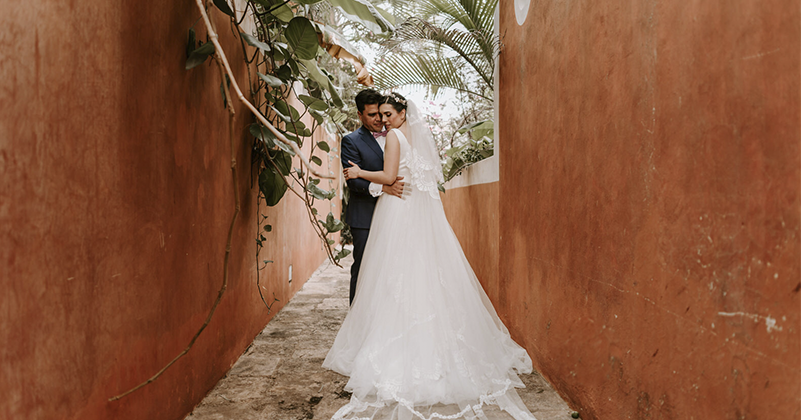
point(397, 98)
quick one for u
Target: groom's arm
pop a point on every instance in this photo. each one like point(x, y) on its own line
point(350, 153)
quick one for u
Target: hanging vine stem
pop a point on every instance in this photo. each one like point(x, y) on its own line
point(226, 74)
point(218, 51)
point(226, 260)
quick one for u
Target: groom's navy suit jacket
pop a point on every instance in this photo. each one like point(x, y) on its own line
point(361, 148)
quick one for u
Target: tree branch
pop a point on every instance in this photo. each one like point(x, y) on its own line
point(218, 51)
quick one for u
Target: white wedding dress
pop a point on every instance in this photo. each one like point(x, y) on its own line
point(422, 340)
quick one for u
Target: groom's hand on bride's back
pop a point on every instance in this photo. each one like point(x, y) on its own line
point(396, 188)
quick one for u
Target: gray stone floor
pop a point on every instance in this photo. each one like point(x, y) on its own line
point(280, 377)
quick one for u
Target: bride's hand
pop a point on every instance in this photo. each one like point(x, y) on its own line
point(352, 172)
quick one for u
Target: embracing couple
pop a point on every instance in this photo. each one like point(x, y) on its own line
point(421, 339)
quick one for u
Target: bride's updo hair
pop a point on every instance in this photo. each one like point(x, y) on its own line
point(396, 100)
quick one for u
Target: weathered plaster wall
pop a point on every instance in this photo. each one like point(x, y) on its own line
point(115, 202)
point(650, 258)
point(472, 212)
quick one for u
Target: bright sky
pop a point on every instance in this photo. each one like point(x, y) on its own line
point(446, 97)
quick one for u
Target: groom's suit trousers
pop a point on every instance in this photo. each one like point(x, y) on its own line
point(359, 241)
point(361, 148)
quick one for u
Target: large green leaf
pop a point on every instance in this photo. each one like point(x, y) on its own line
point(270, 80)
point(284, 72)
point(317, 115)
point(363, 12)
point(323, 146)
point(282, 160)
point(342, 254)
point(272, 185)
point(388, 16)
point(285, 147)
point(299, 128)
point(313, 103)
point(302, 37)
point(253, 41)
point(262, 133)
point(224, 7)
point(287, 110)
point(190, 45)
point(479, 129)
point(199, 55)
point(331, 224)
point(293, 65)
point(278, 55)
point(280, 114)
point(279, 9)
point(332, 37)
point(322, 80)
point(318, 193)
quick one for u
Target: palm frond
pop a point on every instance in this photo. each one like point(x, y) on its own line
point(410, 69)
point(471, 14)
point(477, 48)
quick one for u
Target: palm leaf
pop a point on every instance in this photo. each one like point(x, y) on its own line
point(471, 14)
point(409, 69)
point(477, 48)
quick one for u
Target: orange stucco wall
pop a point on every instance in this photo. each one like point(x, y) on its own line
point(115, 202)
point(651, 258)
point(472, 212)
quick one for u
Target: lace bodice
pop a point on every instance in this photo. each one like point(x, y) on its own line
point(415, 169)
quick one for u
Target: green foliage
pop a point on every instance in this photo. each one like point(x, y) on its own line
point(479, 129)
point(272, 185)
point(447, 44)
point(364, 12)
point(254, 42)
point(331, 224)
point(271, 80)
point(442, 43)
point(463, 156)
point(224, 7)
point(302, 37)
point(288, 55)
point(199, 54)
point(317, 76)
point(323, 146)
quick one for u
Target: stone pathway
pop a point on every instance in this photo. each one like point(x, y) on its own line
point(280, 377)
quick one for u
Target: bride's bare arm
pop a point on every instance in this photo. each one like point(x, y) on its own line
point(391, 162)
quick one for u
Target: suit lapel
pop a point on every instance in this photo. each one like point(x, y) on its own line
point(370, 141)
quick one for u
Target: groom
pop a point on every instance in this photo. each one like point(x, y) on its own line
point(365, 147)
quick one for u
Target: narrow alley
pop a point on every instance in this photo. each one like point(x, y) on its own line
point(280, 377)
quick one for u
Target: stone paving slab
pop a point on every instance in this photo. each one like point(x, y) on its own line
point(280, 377)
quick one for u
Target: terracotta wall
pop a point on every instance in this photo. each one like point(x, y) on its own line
point(651, 260)
point(115, 202)
point(472, 212)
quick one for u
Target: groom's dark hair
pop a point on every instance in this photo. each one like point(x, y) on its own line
point(367, 97)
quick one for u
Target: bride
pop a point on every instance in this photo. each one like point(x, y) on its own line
point(422, 339)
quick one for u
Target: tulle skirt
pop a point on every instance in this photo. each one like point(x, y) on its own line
point(422, 340)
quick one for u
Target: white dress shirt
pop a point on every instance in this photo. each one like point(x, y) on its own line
point(375, 189)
